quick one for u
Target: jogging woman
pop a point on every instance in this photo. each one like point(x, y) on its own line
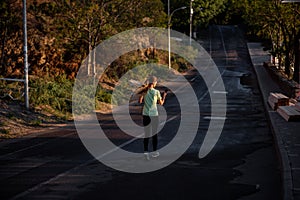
point(150, 115)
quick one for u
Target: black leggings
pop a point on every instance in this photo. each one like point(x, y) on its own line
point(150, 126)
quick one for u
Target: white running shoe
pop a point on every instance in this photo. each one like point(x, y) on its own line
point(155, 154)
point(147, 155)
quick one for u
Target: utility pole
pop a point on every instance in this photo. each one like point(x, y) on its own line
point(26, 88)
point(169, 37)
point(297, 59)
point(169, 30)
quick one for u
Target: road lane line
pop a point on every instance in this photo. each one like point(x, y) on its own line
point(220, 92)
point(204, 95)
point(210, 45)
point(223, 42)
point(293, 155)
point(295, 168)
point(215, 118)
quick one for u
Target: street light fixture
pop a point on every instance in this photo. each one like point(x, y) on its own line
point(169, 28)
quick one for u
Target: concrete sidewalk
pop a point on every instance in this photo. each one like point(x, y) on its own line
point(286, 134)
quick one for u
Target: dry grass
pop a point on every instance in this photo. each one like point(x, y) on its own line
point(16, 121)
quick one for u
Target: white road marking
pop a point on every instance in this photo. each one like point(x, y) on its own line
point(214, 118)
point(210, 45)
point(220, 92)
point(224, 48)
point(293, 155)
point(204, 95)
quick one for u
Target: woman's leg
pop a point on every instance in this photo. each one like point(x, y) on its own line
point(147, 128)
point(154, 125)
point(154, 142)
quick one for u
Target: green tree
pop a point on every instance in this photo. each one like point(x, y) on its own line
point(76, 27)
point(277, 22)
point(205, 12)
point(272, 20)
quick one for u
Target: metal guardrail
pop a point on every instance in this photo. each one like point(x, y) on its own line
point(9, 95)
point(13, 79)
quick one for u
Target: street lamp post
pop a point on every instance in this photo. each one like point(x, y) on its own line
point(169, 35)
point(191, 21)
point(169, 29)
point(25, 56)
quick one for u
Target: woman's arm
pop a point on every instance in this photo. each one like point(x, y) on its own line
point(141, 99)
point(162, 100)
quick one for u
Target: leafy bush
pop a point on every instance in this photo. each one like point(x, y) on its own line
point(4, 131)
point(103, 95)
point(83, 104)
point(55, 92)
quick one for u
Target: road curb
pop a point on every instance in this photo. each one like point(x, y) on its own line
point(286, 171)
point(280, 149)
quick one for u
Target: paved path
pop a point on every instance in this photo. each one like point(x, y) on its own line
point(286, 134)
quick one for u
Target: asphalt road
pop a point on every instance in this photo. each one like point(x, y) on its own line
point(242, 165)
